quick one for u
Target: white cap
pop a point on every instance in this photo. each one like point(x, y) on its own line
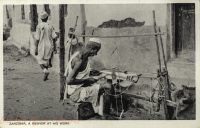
point(95, 40)
point(43, 15)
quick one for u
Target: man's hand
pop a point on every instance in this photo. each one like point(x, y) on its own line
point(36, 51)
point(54, 45)
point(95, 73)
point(90, 80)
point(55, 51)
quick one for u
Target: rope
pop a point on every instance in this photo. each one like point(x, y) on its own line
point(118, 94)
point(150, 97)
point(172, 86)
point(116, 49)
point(116, 100)
point(121, 103)
point(113, 95)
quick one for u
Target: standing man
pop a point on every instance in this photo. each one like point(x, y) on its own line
point(71, 43)
point(45, 43)
point(80, 86)
point(71, 37)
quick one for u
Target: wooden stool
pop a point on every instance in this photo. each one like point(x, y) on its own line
point(77, 111)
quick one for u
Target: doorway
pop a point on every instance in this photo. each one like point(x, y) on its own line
point(184, 31)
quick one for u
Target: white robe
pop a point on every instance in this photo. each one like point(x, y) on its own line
point(87, 94)
point(45, 33)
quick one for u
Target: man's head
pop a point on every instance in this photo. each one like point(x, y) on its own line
point(71, 33)
point(93, 46)
point(44, 16)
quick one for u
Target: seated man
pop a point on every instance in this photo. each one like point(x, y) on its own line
point(80, 86)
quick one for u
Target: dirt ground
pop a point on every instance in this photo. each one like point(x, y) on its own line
point(28, 97)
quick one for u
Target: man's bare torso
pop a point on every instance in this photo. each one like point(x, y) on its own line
point(83, 62)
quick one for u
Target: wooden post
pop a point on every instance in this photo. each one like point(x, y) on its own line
point(7, 12)
point(9, 18)
point(168, 36)
point(12, 18)
point(166, 97)
point(62, 49)
point(46, 8)
point(162, 75)
point(144, 34)
point(159, 100)
point(83, 20)
point(34, 17)
point(162, 47)
point(172, 33)
point(70, 48)
point(169, 110)
point(66, 13)
point(156, 38)
point(22, 11)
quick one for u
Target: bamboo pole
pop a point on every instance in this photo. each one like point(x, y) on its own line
point(70, 47)
point(168, 110)
point(34, 17)
point(159, 94)
point(163, 52)
point(22, 11)
point(145, 34)
point(166, 97)
point(156, 38)
point(168, 35)
point(160, 77)
point(62, 49)
point(83, 20)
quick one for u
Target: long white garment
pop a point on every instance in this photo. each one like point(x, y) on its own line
point(84, 74)
point(87, 94)
point(45, 33)
point(70, 43)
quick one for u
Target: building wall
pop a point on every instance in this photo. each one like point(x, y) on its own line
point(97, 14)
point(136, 54)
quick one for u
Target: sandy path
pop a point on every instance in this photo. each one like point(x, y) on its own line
point(26, 95)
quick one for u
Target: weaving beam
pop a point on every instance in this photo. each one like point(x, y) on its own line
point(127, 78)
point(145, 34)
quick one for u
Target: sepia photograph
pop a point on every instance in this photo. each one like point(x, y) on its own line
point(94, 62)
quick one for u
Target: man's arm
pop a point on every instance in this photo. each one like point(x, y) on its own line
point(37, 38)
point(55, 36)
point(71, 78)
point(36, 47)
point(54, 44)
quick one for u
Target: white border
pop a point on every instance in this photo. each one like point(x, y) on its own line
point(112, 124)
